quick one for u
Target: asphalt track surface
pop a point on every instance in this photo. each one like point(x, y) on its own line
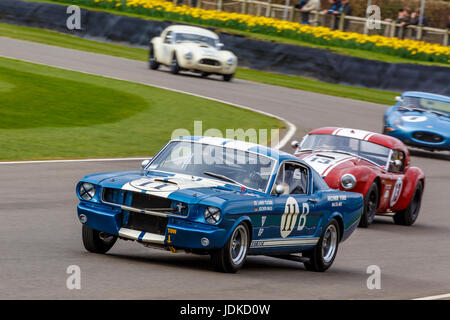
point(40, 234)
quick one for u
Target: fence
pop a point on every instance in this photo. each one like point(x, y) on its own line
point(341, 22)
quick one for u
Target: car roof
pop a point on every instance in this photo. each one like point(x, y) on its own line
point(242, 146)
point(377, 138)
point(193, 30)
point(426, 95)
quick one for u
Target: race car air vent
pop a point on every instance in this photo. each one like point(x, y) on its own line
point(210, 62)
point(428, 137)
point(146, 223)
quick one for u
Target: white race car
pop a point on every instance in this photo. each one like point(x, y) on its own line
point(191, 48)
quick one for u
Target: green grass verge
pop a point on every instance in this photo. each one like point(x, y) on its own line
point(51, 113)
point(294, 82)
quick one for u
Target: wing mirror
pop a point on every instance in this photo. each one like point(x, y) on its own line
point(220, 46)
point(145, 164)
point(398, 99)
point(168, 39)
point(397, 163)
point(279, 189)
point(295, 144)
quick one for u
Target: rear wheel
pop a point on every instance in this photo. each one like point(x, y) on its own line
point(204, 74)
point(232, 256)
point(409, 215)
point(174, 67)
point(152, 63)
point(96, 241)
point(324, 253)
point(371, 200)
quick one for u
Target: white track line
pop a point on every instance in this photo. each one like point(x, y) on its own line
point(290, 126)
point(438, 297)
point(73, 160)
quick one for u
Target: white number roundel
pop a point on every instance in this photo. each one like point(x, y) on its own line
point(289, 217)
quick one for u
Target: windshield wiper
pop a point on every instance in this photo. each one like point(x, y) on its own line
point(439, 113)
point(413, 109)
point(221, 176)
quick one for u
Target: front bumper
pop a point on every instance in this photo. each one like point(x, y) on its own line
point(223, 68)
point(179, 233)
point(407, 137)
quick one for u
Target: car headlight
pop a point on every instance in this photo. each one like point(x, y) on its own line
point(212, 215)
point(86, 191)
point(348, 181)
point(188, 55)
point(398, 122)
point(230, 61)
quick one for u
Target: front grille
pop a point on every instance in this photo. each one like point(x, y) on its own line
point(146, 223)
point(210, 62)
point(428, 137)
point(135, 199)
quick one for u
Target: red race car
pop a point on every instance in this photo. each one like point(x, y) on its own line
point(373, 164)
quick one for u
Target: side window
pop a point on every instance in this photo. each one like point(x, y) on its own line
point(168, 37)
point(294, 178)
point(397, 163)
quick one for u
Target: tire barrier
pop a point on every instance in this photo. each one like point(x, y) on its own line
point(255, 54)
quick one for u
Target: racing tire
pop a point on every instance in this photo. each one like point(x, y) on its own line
point(227, 77)
point(152, 63)
point(322, 256)
point(232, 256)
point(409, 215)
point(95, 242)
point(174, 67)
point(371, 200)
point(204, 74)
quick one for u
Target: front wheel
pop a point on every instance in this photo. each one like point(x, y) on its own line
point(227, 77)
point(232, 256)
point(174, 67)
point(409, 215)
point(96, 241)
point(324, 253)
point(371, 200)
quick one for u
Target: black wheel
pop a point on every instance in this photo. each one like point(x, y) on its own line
point(232, 256)
point(96, 241)
point(174, 67)
point(371, 200)
point(152, 63)
point(204, 74)
point(227, 77)
point(324, 253)
point(409, 215)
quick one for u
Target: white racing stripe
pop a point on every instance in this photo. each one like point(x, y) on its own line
point(291, 128)
point(324, 162)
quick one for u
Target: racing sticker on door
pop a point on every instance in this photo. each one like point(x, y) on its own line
point(290, 215)
point(396, 192)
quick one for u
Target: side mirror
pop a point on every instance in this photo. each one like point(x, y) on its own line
point(279, 189)
point(398, 99)
point(398, 163)
point(145, 164)
point(220, 46)
point(295, 144)
point(168, 39)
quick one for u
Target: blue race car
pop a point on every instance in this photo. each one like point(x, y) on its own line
point(420, 120)
point(225, 198)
